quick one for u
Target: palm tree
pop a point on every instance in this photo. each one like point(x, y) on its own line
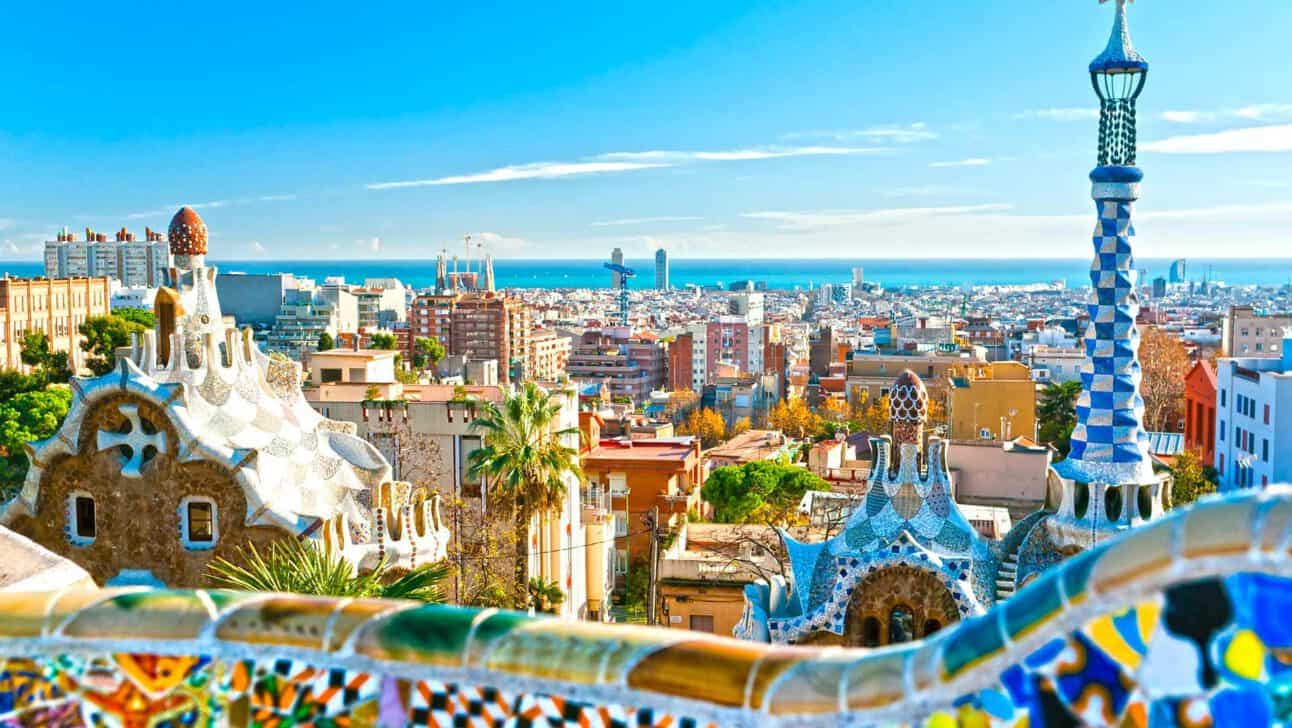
point(523, 457)
point(525, 462)
point(299, 566)
point(545, 596)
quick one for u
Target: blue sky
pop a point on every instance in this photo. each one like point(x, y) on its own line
point(819, 128)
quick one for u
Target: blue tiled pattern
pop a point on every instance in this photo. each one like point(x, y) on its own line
point(1109, 443)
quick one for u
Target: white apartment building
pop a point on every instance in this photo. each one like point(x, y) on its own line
point(1254, 419)
point(126, 260)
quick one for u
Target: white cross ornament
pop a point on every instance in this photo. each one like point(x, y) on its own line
point(135, 439)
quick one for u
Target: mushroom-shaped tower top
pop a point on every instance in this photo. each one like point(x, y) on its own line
point(187, 233)
point(909, 400)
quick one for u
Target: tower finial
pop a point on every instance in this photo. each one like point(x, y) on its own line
point(1118, 75)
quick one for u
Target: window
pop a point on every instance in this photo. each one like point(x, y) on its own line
point(1265, 450)
point(621, 523)
point(1222, 430)
point(621, 561)
point(702, 623)
point(1267, 414)
point(198, 527)
point(1222, 398)
point(330, 375)
point(82, 519)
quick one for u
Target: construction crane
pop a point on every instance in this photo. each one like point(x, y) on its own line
point(622, 274)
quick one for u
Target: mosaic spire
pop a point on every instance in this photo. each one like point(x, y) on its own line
point(1109, 444)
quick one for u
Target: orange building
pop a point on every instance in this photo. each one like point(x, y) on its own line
point(1200, 411)
point(55, 306)
point(640, 476)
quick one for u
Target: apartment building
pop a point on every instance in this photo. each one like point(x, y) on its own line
point(1200, 410)
point(57, 307)
point(485, 325)
point(1254, 420)
point(1251, 334)
point(549, 354)
point(124, 259)
point(630, 367)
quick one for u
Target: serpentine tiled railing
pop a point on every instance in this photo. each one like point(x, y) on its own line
point(1187, 621)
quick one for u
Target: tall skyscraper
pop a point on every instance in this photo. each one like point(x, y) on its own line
point(616, 278)
point(661, 269)
point(1178, 271)
point(858, 276)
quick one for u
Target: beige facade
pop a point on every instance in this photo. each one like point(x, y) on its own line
point(548, 355)
point(1249, 334)
point(991, 401)
point(56, 307)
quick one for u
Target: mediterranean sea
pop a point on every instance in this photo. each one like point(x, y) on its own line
point(786, 274)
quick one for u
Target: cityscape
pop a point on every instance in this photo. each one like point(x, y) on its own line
point(696, 474)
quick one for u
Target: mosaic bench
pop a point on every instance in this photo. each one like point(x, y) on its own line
point(1186, 621)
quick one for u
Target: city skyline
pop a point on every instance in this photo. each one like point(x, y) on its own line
point(724, 140)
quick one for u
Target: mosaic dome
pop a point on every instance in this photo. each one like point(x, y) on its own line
point(187, 233)
point(908, 401)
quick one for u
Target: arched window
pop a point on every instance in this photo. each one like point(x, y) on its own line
point(870, 632)
point(901, 625)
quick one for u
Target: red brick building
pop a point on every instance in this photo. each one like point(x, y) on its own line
point(1200, 410)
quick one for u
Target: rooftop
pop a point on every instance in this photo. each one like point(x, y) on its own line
point(677, 449)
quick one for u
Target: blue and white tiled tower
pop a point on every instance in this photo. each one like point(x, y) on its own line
point(1109, 480)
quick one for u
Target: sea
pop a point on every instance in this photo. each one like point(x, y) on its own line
point(786, 274)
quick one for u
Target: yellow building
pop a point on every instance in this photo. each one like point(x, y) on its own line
point(991, 401)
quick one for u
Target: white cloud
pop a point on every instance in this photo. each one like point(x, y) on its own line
point(1060, 114)
point(612, 162)
point(897, 134)
point(373, 244)
point(276, 198)
point(970, 162)
point(1254, 112)
point(832, 218)
point(174, 207)
point(644, 220)
point(736, 155)
point(1254, 139)
point(257, 247)
point(511, 173)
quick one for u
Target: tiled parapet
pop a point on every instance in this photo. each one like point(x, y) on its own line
point(1182, 618)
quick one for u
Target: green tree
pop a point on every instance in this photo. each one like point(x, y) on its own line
point(427, 352)
point(300, 566)
point(759, 492)
point(1056, 414)
point(386, 342)
point(14, 382)
point(26, 417)
point(326, 342)
point(522, 454)
point(51, 366)
point(1192, 479)
point(103, 336)
point(141, 316)
point(545, 596)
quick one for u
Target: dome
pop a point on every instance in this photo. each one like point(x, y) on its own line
point(909, 400)
point(187, 233)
